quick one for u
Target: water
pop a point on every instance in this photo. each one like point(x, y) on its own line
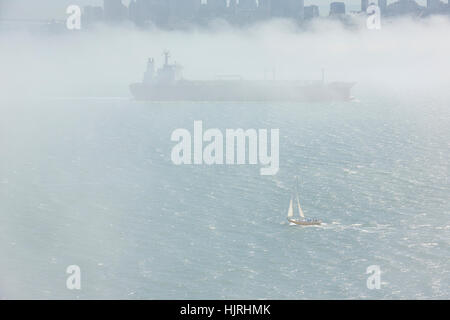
point(89, 182)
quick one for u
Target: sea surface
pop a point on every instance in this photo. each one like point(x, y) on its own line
point(90, 182)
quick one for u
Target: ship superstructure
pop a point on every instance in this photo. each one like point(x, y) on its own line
point(168, 74)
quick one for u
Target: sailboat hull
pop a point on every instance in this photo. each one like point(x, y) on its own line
point(304, 222)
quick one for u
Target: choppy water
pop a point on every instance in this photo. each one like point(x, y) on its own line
point(90, 182)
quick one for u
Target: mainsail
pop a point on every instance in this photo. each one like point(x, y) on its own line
point(300, 208)
point(291, 210)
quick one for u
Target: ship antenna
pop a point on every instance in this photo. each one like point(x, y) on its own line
point(166, 57)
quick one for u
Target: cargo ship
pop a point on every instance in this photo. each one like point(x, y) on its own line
point(167, 84)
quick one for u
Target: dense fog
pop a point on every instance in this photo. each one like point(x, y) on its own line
point(405, 54)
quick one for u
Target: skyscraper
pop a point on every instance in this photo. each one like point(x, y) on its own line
point(266, 5)
point(437, 6)
point(432, 4)
point(184, 9)
point(382, 4)
point(364, 5)
point(247, 4)
point(160, 12)
point(2, 8)
point(114, 10)
point(264, 8)
point(299, 8)
point(402, 7)
point(311, 12)
point(337, 8)
point(92, 15)
point(216, 7)
point(279, 8)
point(288, 8)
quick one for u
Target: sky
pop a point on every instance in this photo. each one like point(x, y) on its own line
point(47, 9)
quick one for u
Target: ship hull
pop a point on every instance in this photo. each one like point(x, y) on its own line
point(241, 91)
point(304, 222)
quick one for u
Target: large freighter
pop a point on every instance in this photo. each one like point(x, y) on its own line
point(166, 84)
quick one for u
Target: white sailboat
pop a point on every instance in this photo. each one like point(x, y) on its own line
point(302, 221)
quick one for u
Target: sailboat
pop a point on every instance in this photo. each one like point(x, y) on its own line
point(302, 221)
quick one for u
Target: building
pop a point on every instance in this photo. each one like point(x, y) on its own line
point(114, 11)
point(139, 11)
point(92, 15)
point(217, 7)
point(382, 4)
point(279, 8)
point(364, 5)
point(437, 6)
point(264, 4)
point(288, 9)
point(433, 4)
point(160, 12)
point(311, 12)
point(2, 8)
point(247, 5)
point(298, 7)
point(184, 10)
point(245, 12)
point(405, 7)
point(264, 9)
point(213, 9)
point(337, 9)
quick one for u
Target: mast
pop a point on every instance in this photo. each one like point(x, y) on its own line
point(300, 211)
point(291, 210)
point(166, 58)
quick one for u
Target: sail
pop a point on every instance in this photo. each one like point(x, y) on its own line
point(291, 210)
point(300, 208)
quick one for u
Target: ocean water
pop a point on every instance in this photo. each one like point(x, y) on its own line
point(90, 182)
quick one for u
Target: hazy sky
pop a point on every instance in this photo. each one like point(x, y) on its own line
point(47, 9)
point(406, 55)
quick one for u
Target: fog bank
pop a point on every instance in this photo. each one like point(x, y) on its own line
point(406, 54)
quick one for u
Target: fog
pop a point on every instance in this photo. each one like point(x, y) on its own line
point(408, 55)
point(55, 217)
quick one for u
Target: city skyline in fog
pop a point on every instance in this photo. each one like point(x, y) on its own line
point(55, 9)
